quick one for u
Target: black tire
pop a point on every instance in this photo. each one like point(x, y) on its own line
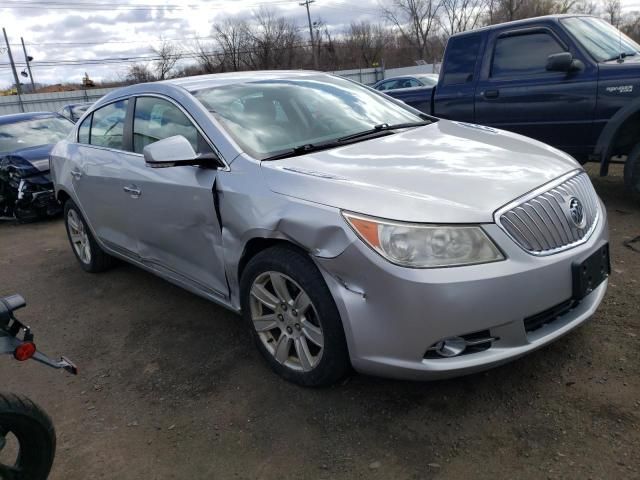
point(334, 362)
point(99, 259)
point(36, 436)
point(632, 170)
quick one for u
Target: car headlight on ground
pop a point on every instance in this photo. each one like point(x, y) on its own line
point(425, 246)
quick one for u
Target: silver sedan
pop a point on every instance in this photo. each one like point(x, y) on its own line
point(348, 229)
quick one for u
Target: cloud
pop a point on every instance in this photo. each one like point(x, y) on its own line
point(123, 32)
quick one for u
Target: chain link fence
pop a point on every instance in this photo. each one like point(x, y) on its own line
point(52, 102)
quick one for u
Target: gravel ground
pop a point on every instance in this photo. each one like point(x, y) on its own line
point(171, 387)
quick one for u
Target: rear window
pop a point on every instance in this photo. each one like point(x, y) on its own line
point(460, 59)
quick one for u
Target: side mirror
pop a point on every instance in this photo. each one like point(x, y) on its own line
point(563, 62)
point(176, 151)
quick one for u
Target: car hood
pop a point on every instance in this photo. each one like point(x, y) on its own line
point(29, 161)
point(446, 172)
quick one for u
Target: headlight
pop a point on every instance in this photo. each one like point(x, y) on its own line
point(425, 246)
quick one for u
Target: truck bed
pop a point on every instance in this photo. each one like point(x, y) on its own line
point(416, 97)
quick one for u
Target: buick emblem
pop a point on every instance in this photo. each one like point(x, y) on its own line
point(576, 212)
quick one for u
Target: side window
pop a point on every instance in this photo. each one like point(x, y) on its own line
point(523, 54)
point(156, 119)
point(107, 127)
point(83, 130)
point(413, 83)
point(460, 59)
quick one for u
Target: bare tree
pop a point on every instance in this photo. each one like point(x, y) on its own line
point(232, 37)
point(366, 42)
point(631, 25)
point(273, 41)
point(462, 15)
point(139, 73)
point(507, 10)
point(415, 20)
point(613, 10)
point(588, 7)
point(168, 54)
point(208, 59)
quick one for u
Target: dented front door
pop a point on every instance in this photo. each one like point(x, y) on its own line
point(177, 227)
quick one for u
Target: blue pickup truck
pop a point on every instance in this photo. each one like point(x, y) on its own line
point(571, 81)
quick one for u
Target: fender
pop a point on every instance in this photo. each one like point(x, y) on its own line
point(603, 146)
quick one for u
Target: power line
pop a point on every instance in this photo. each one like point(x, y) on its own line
point(80, 44)
point(134, 59)
point(11, 4)
point(128, 7)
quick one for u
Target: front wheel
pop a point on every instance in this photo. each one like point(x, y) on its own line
point(632, 170)
point(293, 318)
point(27, 439)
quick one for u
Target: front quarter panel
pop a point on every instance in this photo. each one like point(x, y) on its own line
point(250, 210)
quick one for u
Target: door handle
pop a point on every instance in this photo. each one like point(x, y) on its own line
point(133, 190)
point(491, 93)
point(76, 174)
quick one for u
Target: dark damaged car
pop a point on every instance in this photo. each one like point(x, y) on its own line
point(26, 139)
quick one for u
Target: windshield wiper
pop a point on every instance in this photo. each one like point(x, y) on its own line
point(383, 127)
point(621, 56)
point(303, 149)
point(314, 147)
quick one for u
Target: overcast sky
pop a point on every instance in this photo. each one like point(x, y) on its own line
point(82, 30)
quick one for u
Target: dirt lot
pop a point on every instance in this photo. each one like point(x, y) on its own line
point(171, 387)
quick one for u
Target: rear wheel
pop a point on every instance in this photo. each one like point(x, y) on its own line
point(27, 439)
point(632, 170)
point(293, 318)
point(91, 257)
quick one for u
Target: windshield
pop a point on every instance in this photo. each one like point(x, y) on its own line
point(603, 41)
point(78, 110)
point(270, 117)
point(31, 133)
point(428, 80)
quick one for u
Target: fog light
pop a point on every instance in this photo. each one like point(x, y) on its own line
point(450, 347)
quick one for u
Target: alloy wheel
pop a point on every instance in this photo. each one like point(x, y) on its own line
point(286, 321)
point(79, 237)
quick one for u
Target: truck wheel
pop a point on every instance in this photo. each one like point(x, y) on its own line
point(632, 170)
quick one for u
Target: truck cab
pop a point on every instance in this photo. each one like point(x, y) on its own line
point(572, 81)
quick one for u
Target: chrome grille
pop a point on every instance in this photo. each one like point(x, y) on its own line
point(542, 224)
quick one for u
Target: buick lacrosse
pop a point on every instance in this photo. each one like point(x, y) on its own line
point(348, 229)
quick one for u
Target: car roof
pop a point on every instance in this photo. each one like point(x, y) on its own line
point(199, 82)
point(220, 79)
point(523, 22)
point(21, 117)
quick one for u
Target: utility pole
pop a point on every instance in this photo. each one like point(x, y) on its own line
point(28, 59)
point(306, 3)
point(13, 65)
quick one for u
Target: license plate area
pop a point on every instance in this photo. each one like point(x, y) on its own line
point(591, 272)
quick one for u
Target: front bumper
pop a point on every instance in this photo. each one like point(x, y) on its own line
point(28, 197)
point(392, 315)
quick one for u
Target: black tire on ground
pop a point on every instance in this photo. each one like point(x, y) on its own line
point(632, 170)
point(334, 363)
point(36, 436)
point(99, 260)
